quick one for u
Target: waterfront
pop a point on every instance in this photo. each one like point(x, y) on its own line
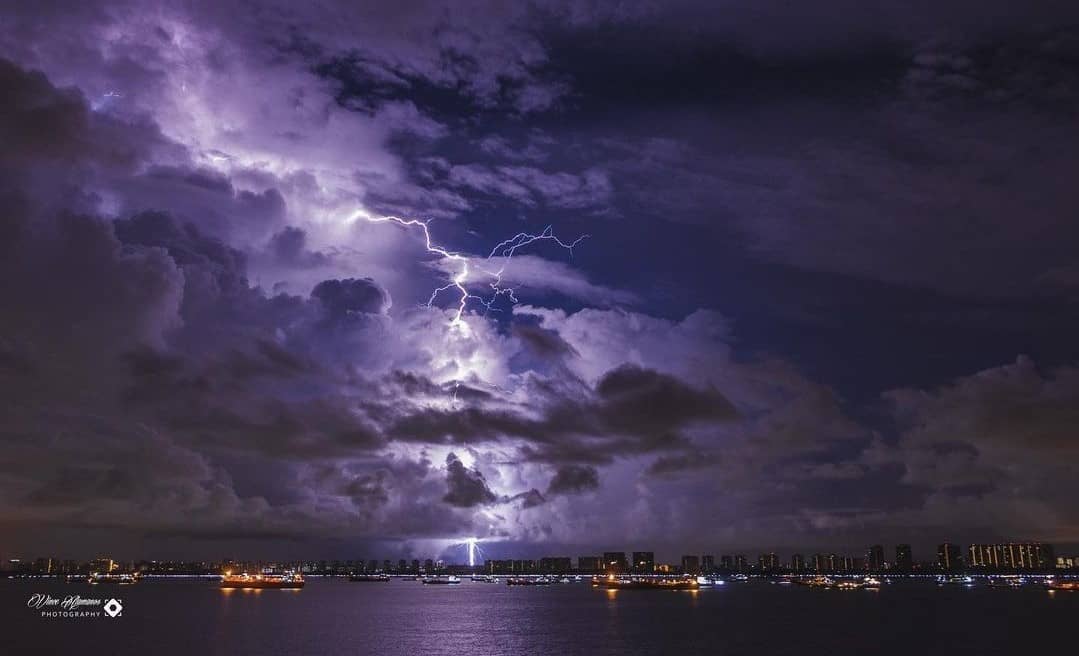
point(333, 616)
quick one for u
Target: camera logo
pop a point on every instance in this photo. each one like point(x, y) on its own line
point(113, 608)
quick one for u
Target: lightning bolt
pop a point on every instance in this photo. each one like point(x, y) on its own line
point(459, 281)
point(472, 549)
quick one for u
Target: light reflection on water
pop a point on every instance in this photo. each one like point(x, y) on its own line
point(403, 618)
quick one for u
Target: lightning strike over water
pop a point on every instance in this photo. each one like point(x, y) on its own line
point(473, 548)
point(459, 280)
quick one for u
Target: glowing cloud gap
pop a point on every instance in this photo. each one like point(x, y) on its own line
point(505, 250)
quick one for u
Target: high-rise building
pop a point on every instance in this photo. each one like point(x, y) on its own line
point(740, 563)
point(726, 563)
point(691, 565)
point(820, 563)
point(43, 566)
point(614, 562)
point(768, 562)
point(589, 564)
point(708, 564)
point(499, 566)
point(948, 558)
point(1030, 555)
point(904, 561)
point(875, 558)
point(554, 565)
point(798, 562)
point(644, 562)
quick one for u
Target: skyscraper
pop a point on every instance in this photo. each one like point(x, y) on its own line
point(904, 561)
point(614, 562)
point(768, 562)
point(798, 562)
point(644, 562)
point(948, 558)
point(1030, 555)
point(691, 565)
point(740, 563)
point(708, 564)
point(875, 558)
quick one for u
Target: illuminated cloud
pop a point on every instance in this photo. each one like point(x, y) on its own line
point(799, 246)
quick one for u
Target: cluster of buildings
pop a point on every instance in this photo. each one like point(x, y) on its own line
point(1003, 557)
point(56, 567)
point(1032, 556)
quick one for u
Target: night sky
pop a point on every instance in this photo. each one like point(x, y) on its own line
point(827, 294)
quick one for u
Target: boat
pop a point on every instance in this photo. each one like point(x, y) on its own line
point(740, 578)
point(97, 578)
point(817, 582)
point(1054, 584)
point(528, 580)
point(848, 584)
point(871, 582)
point(616, 583)
point(484, 578)
point(441, 580)
point(1007, 581)
point(707, 582)
point(565, 579)
point(955, 580)
point(369, 578)
point(274, 580)
point(783, 580)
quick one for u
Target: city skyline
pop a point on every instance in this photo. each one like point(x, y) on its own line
point(901, 558)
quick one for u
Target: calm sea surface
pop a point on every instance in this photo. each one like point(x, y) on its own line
point(399, 618)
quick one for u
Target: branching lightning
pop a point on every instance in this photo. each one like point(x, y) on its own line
point(459, 280)
point(473, 547)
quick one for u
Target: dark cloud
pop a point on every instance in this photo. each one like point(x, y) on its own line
point(632, 410)
point(543, 343)
point(530, 499)
point(467, 487)
point(640, 400)
point(683, 462)
point(343, 298)
point(573, 479)
point(289, 245)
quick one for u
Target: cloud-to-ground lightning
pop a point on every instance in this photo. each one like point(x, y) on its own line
point(473, 546)
point(459, 280)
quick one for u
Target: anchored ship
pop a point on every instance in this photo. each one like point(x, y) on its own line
point(287, 580)
point(955, 580)
point(525, 580)
point(441, 580)
point(369, 578)
point(616, 583)
point(98, 578)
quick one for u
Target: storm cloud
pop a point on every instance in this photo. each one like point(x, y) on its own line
point(824, 291)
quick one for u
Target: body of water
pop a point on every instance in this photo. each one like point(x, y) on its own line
point(405, 618)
